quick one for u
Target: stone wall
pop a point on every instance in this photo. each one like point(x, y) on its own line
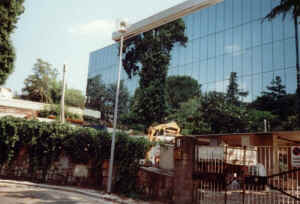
point(61, 172)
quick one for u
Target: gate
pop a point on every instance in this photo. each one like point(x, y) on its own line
point(248, 175)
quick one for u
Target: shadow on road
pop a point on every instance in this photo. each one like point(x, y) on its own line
point(40, 197)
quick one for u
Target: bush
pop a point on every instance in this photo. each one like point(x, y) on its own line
point(55, 110)
point(46, 141)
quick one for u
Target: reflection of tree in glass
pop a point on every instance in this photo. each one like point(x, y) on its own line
point(148, 55)
point(285, 7)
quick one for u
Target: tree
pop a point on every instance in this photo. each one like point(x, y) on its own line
point(180, 89)
point(74, 98)
point(148, 55)
point(10, 10)
point(96, 94)
point(276, 100)
point(39, 85)
point(285, 7)
point(233, 91)
point(123, 98)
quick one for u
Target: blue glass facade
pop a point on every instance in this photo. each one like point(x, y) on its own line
point(228, 37)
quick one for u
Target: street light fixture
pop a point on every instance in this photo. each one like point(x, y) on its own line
point(126, 32)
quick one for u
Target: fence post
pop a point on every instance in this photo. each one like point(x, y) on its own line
point(183, 172)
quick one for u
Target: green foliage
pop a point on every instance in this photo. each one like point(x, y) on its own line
point(180, 89)
point(55, 111)
point(101, 97)
point(75, 98)
point(10, 10)
point(39, 86)
point(148, 55)
point(46, 141)
point(233, 92)
point(276, 100)
point(286, 7)
point(123, 98)
point(96, 93)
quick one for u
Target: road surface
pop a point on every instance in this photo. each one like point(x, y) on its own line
point(22, 194)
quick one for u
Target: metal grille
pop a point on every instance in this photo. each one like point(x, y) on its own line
point(250, 175)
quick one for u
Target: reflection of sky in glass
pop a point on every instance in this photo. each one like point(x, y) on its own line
point(229, 36)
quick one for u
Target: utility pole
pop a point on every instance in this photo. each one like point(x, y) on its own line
point(62, 102)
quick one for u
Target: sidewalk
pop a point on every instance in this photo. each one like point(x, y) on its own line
point(87, 192)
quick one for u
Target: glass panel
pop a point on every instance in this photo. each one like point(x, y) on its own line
point(237, 63)
point(228, 41)
point(237, 39)
point(257, 60)
point(237, 14)
point(204, 23)
point(189, 70)
point(211, 70)
point(278, 55)
point(266, 7)
point(289, 30)
point(188, 53)
point(196, 71)
point(211, 87)
point(257, 86)
point(267, 31)
point(246, 10)
point(197, 25)
point(212, 19)
point(227, 66)
point(220, 86)
point(256, 8)
point(220, 16)
point(256, 34)
point(278, 28)
point(203, 48)
point(267, 78)
point(196, 54)
point(211, 46)
point(228, 13)
point(219, 68)
point(291, 80)
point(267, 57)
point(220, 44)
point(247, 86)
point(247, 59)
point(203, 72)
point(247, 35)
point(181, 55)
point(290, 52)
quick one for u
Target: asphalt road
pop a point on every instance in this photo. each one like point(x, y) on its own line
point(22, 194)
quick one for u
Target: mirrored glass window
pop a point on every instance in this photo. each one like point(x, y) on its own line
point(291, 80)
point(267, 57)
point(290, 52)
point(219, 68)
point(211, 70)
point(278, 52)
point(220, 17)
point(257, 60)
point(220, 43)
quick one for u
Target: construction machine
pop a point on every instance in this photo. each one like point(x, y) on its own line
point(163, 132)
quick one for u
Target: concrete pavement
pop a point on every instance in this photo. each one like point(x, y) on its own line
point(23, 192)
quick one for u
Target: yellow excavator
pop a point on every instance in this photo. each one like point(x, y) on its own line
point(167, 129)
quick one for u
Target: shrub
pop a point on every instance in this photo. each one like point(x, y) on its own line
point(46, 141)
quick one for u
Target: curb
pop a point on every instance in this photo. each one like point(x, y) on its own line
point(66, 189)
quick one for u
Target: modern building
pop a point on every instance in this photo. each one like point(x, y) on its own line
point(228, 37)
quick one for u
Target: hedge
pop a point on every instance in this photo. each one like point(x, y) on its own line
point(46, 141)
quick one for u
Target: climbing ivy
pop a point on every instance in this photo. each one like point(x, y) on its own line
point(46, 141)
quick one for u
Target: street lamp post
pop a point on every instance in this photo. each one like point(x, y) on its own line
point(62, 102)
point(122, 30)
point(145, 25)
